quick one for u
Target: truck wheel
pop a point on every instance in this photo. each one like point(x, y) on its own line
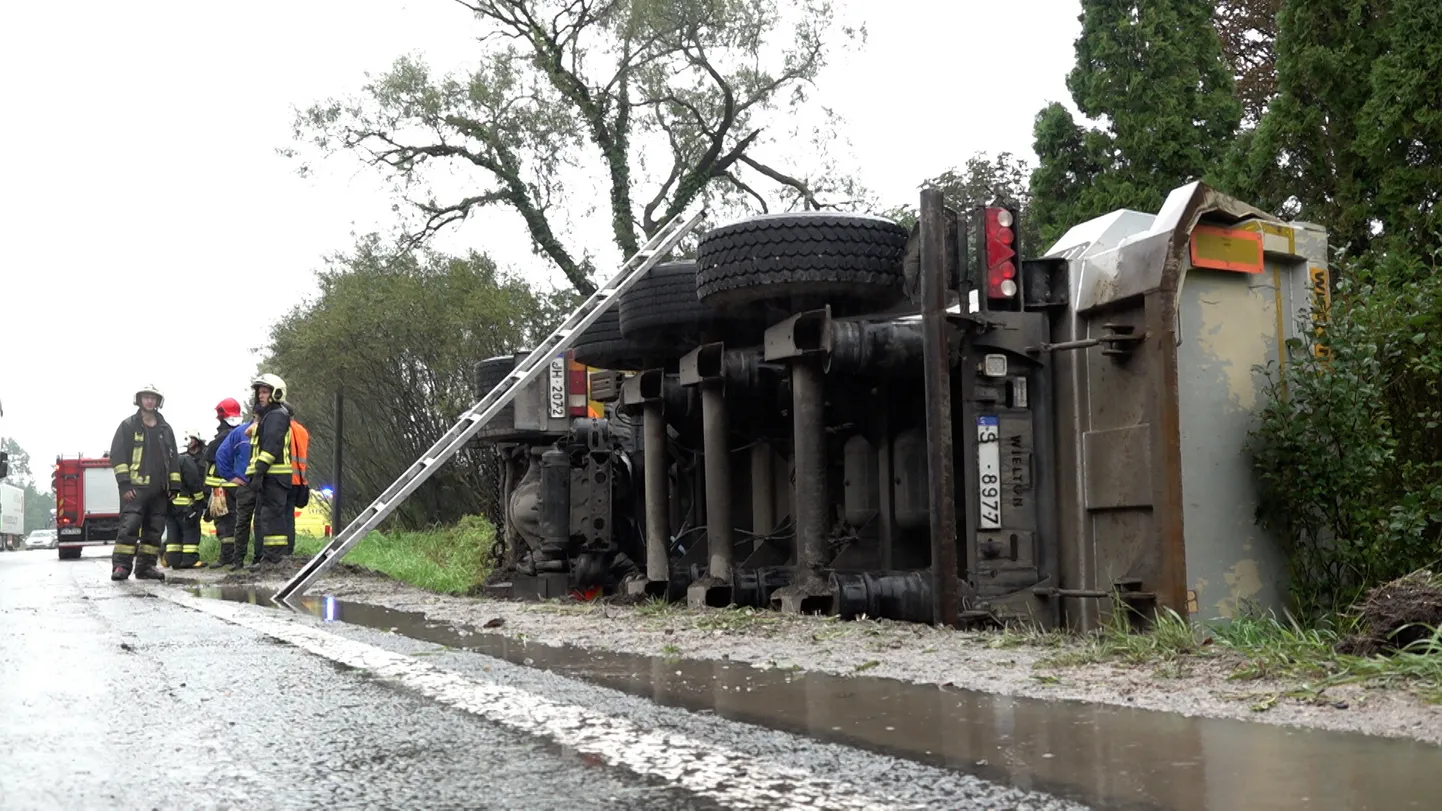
point(492, 371)
point(605, 347)
point(70, 553)
point(819, 255)
point(663, 304)
point(488, 373)
point(662, 312)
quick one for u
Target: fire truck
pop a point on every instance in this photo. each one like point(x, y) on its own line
point(87, 503)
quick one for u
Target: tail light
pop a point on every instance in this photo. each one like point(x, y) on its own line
point(577, 387)
point(999, 231)
point(327, 530)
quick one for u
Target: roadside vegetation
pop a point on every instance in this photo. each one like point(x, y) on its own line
point(1347, 652)
point(445, 560)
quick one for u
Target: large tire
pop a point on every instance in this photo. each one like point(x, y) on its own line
point(490, 372)
point(603, 345)
point(815, 255)
point(664, 302)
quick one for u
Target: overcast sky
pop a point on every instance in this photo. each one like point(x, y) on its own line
point(152, 234)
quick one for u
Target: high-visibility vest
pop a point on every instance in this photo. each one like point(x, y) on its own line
point(299, 448)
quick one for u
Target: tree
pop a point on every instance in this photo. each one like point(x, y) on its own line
point(1063, 182)
point(1155, 75)
point(666, 103)
point(1247, 30)
point(401, 331)
point(982, 181)
point(19, 461)
point(1400, 127)
point(1303, 159)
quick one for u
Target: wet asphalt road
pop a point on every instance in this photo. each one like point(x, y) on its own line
point(117, 697)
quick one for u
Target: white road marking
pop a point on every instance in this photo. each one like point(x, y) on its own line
point(734, 778)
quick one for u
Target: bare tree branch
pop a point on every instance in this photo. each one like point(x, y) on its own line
point(801, 187)
point(559, 83)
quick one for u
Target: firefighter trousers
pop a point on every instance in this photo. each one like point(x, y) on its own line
point(142, 522)
point(225, 530)
point(182, 541)
point(292, 495)
point(244, 520)
point(272, 516)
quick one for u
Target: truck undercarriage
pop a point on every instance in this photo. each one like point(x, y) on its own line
point(830, 413)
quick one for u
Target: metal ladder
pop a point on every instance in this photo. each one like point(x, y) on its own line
point(498, 398)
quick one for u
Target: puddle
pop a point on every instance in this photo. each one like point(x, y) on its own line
point(1104, 756)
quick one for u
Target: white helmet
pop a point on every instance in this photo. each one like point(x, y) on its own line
point(277, 386)
point(159, 395)
point(193, 433)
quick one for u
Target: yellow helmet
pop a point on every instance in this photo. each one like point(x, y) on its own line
point(277, 386)
point(159, 395)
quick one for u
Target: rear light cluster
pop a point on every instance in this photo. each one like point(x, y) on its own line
point(578, 387)
point(1000, 234)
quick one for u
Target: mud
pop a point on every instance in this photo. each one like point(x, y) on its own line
point(1400, 615)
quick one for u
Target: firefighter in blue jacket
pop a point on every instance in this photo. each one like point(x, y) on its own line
point(143, 454)
point(270, 468)
point(231, 459)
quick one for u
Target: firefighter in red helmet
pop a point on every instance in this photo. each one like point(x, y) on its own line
point(221, 507)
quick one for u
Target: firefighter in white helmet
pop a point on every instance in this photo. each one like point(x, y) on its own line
point(147, 471)
point(182, 543)
point(270, 468)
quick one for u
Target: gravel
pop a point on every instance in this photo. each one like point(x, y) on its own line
point(982, 661)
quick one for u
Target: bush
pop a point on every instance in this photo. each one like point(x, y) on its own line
point(1349, 447)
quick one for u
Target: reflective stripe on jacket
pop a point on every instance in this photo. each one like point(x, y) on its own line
point(271, 445)
point(192, 484)
point(139, 453)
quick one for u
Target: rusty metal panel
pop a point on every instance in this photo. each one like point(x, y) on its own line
point(1118, 465)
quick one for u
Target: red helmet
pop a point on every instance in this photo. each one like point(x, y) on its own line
point(227, 408)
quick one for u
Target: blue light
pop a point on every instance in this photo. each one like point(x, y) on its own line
point(327, 492)
point(330, 609)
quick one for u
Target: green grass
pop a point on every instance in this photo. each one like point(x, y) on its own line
point(1255, 648)
point(1273, 649)
point(447, 560)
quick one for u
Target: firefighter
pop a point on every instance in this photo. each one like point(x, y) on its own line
point(182, 545)
point(231, 459)
point(270, 468)
point(222, 506)
point(146, 471)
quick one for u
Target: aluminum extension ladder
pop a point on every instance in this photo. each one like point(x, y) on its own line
point(491, 404)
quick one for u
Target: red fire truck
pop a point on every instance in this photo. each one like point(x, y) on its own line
point(87, 503)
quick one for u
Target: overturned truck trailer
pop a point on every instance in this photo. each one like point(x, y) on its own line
point(828, 412)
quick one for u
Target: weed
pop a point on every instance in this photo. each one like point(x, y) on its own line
point(1271, 649)
point(865, 666)
point(1170, 637)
